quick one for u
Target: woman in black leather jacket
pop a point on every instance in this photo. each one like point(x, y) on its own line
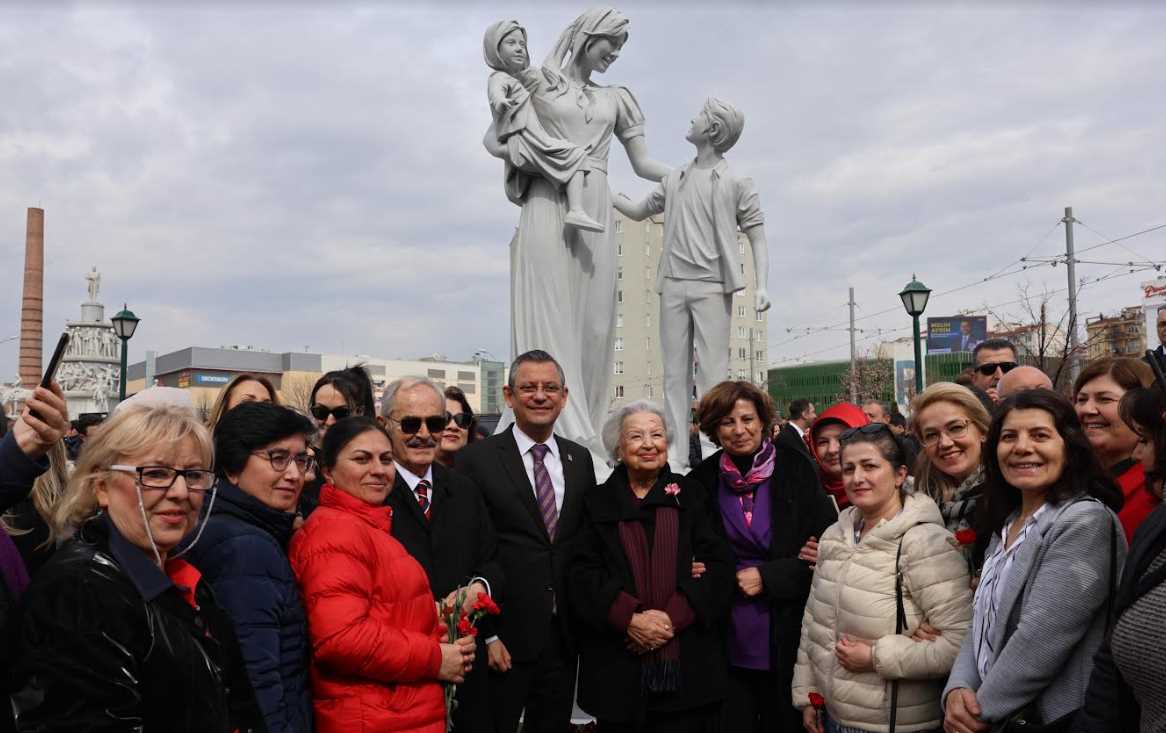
point(115, 634)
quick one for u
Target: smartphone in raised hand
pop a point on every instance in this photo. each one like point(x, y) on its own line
point(51, 370)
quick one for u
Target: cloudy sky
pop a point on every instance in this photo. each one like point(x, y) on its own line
point(301, 175)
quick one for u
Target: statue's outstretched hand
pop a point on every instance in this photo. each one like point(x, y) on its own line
point(761, 300)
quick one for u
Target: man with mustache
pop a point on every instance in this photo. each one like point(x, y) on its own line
point(440, 519)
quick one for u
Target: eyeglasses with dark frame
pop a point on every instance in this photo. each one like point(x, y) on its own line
point(411, 424)
point(990, 368)
point(321, 412)
point(198, 480)
point(280, 459)
point(462, 419)
point(873, 428)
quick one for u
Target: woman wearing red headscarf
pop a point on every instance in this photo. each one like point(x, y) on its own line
point(828, 451)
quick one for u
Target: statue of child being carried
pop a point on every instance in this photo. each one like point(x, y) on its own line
point(517, 136)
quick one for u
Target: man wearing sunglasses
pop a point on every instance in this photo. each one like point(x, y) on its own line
point(991, 360)
point(440, 519)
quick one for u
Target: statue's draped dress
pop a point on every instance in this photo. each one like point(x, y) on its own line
point(563, 282)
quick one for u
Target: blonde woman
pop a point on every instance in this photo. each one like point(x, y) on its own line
point(951, 424)
point(115, 632)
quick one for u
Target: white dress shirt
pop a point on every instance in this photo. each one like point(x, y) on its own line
point(411, 479)
point(552, 460)
point(801, 433)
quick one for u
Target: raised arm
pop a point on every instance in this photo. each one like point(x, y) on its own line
point(645, 167)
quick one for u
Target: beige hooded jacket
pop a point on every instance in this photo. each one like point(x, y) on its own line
point(854, 594)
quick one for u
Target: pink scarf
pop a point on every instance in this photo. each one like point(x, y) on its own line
point(746, 486)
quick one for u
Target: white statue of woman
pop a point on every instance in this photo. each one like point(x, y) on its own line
point(563, 280)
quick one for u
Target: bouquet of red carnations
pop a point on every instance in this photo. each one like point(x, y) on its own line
point(460, 623)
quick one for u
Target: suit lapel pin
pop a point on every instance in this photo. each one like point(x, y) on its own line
point(570, 458)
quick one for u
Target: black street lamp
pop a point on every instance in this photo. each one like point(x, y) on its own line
point(914, 296)
point(124, 325)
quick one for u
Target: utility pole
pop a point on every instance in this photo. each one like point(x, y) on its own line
point(1074, 344)
point(853, 362)
point(752, 369)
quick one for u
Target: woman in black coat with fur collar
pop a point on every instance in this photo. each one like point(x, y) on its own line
point(650, 633)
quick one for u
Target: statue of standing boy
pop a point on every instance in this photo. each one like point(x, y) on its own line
point(700, 266)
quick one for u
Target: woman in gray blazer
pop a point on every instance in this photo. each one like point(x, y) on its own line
point(1040, 608)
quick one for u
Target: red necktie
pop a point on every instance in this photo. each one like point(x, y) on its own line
point(423, 496)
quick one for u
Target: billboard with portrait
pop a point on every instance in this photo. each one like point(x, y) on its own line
point(953, 334)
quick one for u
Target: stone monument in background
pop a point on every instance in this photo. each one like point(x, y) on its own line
point(89, 370)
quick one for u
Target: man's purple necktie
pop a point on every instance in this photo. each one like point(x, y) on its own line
point(544, 489)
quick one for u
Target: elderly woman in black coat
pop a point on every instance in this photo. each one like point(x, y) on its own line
point(651, 650)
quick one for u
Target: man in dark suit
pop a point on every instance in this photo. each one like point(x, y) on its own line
point(793, 433)
point(1159, 353)
point(533, 484)
point(440, 519)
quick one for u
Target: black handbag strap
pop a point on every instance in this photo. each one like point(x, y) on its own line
point(900, 627)
point(1111, 597)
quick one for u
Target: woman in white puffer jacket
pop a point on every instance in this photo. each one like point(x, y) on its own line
point(850, 653)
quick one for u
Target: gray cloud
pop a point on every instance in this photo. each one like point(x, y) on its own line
point(288, 175)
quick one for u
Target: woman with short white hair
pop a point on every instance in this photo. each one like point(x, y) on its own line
point(651, 655)
point(117, 632)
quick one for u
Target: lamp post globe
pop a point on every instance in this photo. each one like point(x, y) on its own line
point(124, 325)
point(914, 296)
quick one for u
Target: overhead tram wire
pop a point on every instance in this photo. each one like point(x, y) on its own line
point(807, 331)
point(1121, 239)
point(1112, 275)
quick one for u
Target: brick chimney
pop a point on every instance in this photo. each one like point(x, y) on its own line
point(32, 303)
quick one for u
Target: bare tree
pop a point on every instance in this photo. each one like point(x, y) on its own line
point(296, 392)
point(1035, 326)
point(203, 404)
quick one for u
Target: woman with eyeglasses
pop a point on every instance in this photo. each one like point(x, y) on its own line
point(887, 564)
point(459, 430)
point(951, 424)
point(261, 458)
point(1043, 602)
point(1097, 395)
point(117, 632)
point(378, 656)
point(335, 396)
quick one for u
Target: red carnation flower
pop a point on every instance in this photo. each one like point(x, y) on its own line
point(486, 604)
point(966, 536)
point(817, 701)
point(464, 627)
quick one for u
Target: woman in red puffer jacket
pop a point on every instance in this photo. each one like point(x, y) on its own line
point(377, 656)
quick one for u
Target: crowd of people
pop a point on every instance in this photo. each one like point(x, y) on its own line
point(836, 571)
